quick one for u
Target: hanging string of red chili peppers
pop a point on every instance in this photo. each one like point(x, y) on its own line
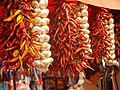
point(69, 38)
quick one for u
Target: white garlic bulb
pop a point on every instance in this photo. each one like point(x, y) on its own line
point(110, 62)
point(38, 11)
point(46, 54)
point(43, 4)
point(47, 60)
point(86, 31)
point(43, 38)
point(46, 46)
point(113, 56)
point(47, 20)
point(35, 4)
point(45, 29)
point(111, 21)
point(112, 41)
point(85, 19)
point(36, 29)
point(37, 21)
point(111, 26)
point(110, 32)
point(39, 64)
point(84, 13)
point(86, 36)
point(112, 36)
point(107, 27)
point(113, 46)
point(112, 52)
point(79, 19)
point(83, 6)
point(115, 62)
point(84, 26)
point(44, 13)
point(43, 22)
point(90, 50)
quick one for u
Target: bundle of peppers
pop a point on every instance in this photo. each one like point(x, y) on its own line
point(98, 33)
point(70, 44)
point(18, 44)
point(103, 36)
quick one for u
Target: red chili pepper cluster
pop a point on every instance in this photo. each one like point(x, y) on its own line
point(15, 34)
point(67, 41)
point(98, 33)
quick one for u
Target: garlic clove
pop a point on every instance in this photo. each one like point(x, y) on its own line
point(84, 13)
point(47, 60)
point(43, 4)
point(44, 13)
point(112, 41)
point(37, 21)
point(79, 19)
point(84, 26)
point(86, 31)
point(47, 20)
point(45, 29)
point(35, 4)
point(111, 26)
point(111, 21)
point(112, 52)
point(86, 36)
point(43, 22)
point(46, 54)
point(112, 57)
point(110, 62)
point(36, 29)
point(90, 50)
point(111, 31)
point(115, 62)
point(112, 36)
point(82, 20)
point(85, 19)
point(39, 64)
point(46, 46)
point(83, 6)
point(43, 38)
point(113, 46)
point(38, 11)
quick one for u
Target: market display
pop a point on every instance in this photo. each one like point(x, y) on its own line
point(56, 35)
